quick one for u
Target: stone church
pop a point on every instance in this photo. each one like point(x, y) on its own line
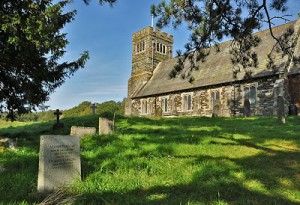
point(215, 90)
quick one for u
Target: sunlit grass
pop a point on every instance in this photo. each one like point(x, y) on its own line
point(168, 161)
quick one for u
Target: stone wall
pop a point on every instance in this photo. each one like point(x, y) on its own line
point(230, 102)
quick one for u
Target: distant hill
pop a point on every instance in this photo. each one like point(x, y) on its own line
point(105, 109)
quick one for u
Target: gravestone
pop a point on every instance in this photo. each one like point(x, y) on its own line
point(247, 108)
point(59, 162)
point(293, 110)
point(216, 110)
point(81, 131)
point(280, 110)
point(106, 126)
point(58, 125)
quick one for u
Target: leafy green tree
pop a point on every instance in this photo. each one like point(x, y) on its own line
point(110, 108)
point(31, 46)
point(83, 108)
point(209, 21)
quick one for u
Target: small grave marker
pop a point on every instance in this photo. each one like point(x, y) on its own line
point(106, 126)
point(216, 110)
point(59, 161)
point(81, 131)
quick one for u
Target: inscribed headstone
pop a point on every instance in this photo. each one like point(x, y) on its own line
point(81, 131)
point(106, 126)
point(59, 161)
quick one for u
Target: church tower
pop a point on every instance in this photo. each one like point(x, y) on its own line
point(149, 47)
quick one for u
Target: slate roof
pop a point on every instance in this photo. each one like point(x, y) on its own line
point(217, 68)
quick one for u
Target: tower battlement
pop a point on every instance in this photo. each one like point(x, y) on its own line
point(152, 31)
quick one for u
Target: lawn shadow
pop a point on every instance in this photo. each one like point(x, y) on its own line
point(258, 179)
point(268, 177)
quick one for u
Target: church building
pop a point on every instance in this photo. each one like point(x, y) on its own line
point(214, 91)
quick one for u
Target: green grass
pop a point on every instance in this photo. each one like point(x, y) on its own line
point(167, 161)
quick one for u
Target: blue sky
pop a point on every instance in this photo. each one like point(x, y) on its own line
point(106, 33)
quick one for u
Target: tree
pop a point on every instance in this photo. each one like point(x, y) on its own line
point(101, 2)
point(31, 46)
point(209, 21)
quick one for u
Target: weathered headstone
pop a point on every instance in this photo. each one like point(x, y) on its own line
point(59, 161)
point(158, 112)
point(293, 110)
point(280, 110)
point(216, 110)
point(247, 108)
point(58, 125)
point(81, 131)
point(106, 126)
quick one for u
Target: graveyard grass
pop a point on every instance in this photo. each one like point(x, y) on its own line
point(190, 160)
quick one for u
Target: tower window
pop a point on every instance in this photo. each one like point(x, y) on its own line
point(161, 48)
point(140, 47)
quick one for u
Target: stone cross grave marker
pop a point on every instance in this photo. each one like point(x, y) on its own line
point(58, 125)
point(59, 161)
point(93, 106)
